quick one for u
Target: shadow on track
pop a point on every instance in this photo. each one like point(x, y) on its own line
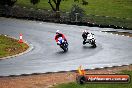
point(61, 52)
point(88, 47)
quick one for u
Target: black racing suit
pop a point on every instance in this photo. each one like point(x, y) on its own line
point(84, 35)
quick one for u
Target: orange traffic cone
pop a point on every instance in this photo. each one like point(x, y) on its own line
point(20, 38)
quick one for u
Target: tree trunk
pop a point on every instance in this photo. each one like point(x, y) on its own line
point(58, 5)
point(56, 8)
point(52, 6)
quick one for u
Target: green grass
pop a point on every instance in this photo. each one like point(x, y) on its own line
point(75, 85)
point(112, 8)
point(119, 12)
point(9, 46)
point(110, 21)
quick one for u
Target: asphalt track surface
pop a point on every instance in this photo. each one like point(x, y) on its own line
point(46, 56)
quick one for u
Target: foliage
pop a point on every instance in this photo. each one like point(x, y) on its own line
point(84, 2)
point(34, 1)
point(10, 46)
point(7, 2)
point(76, 13)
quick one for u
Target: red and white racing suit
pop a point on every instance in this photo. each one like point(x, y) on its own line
point(60, 35)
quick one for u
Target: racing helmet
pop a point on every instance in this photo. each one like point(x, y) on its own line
point(58, 31)
point(84, 31)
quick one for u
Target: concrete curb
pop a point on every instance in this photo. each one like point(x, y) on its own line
point(65, 71)
point(28, 50)
point(115, 34)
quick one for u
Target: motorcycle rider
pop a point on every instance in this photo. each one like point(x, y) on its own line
point(84, 35)
point(58, 34)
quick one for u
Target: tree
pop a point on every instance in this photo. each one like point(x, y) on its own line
point(57, 4)
point(7, 2)
point(34, 1)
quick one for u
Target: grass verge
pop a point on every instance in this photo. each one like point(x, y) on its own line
point(75, 85)
point(112, 8)
point(10, 46)
point(101, 12)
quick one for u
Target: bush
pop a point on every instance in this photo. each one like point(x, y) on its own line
point(7, 2)
point(34, 1)
point(76, 13)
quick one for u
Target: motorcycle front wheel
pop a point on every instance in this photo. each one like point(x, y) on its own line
point(94, 45)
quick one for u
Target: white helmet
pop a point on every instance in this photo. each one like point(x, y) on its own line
point(58, 31)
point(85, 31)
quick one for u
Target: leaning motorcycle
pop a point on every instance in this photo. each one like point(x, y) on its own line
point(63, 44)
point(90, 39)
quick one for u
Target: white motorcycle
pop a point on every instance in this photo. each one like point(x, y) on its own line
point(90, 39)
